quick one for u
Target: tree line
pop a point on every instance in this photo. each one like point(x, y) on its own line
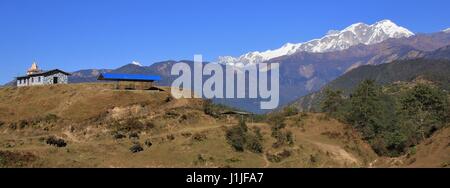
point(391, 119)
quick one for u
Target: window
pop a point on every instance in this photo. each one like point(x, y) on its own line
point(39, 79)
point(32, 80)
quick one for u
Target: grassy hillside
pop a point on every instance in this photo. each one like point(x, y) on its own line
point(92, 125)
point(100, 125)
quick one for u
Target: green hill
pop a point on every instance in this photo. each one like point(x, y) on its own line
point(436, 71)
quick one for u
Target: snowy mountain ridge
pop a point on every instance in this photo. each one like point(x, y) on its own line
point(355, 34)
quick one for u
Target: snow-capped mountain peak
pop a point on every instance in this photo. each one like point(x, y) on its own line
point(358, 33)
point(136, 63)
point(446, 30)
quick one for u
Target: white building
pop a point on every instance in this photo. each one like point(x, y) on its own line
point(37, 77)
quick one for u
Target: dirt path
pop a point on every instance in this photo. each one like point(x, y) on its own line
point(71, 137)
point(190, 129)
point(266, 161)
point(338, 152)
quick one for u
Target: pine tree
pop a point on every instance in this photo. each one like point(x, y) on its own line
point(365, 110)
point(332, 101)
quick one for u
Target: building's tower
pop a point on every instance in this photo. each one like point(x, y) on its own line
point(33, 69)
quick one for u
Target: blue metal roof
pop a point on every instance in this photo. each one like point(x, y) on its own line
point(128, 77)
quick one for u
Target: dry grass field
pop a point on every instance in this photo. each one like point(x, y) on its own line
point(100, 125)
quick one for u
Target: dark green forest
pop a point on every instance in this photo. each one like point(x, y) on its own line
point(391, 118)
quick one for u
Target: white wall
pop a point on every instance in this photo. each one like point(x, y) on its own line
point(47, 80)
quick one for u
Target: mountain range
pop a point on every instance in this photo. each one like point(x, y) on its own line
point(359, 33)
point(307, 67)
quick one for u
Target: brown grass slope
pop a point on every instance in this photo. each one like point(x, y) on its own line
point(91, 118)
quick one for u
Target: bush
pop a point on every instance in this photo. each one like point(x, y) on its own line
point(240, 139)
point(254, 144)
point(13, 125)
point(236, 138)
point(186, 134)
point(290, 111)
point(148, 143)
point(117, 135)
point(52, 140)
point(282, 136)
point(273, 158)
point(313, 158)
point(199, 137)
point(170, 137)
point(136, 148)
point(23, 124)
point(258, 134)
point(9, 159)
point(278, 157)
point(210, 109)
point(129, 125)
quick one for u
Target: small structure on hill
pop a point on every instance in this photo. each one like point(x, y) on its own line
point(229, 114)
point(35, 76)
point(131, 81)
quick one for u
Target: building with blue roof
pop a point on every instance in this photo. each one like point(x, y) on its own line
point(131, 81)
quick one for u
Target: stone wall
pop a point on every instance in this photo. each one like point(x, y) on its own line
point(62, 79)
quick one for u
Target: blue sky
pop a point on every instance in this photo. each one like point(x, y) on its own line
point(82, 34)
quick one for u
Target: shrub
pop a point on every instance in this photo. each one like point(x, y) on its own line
point(117, 135)
point(23, 124)
point(232, 160)
point(149, 125)
point(313, 158)
point(170, 137)
point(136, 148)
point(278, 157)
point(273, 158)
point(49, 118)
point(199, 137)
point(52, 140)
point(236, 136)
point(186, 134)
point(128, 125)
point(10, 159)
point(13, 125)
point(254, 144)
point(148, 143)
point(284, 154)
point(210, 109)
point(257, 132)
point(282, 136)
point(239, 138)
point(290, 111)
